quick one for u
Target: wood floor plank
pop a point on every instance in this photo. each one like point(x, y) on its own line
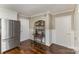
point(27, 47)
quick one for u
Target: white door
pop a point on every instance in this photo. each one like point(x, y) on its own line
point(64, 35)
point(24, 29)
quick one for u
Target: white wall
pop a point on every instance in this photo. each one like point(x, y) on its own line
point(53, 36)
point(48, 29)
point(76, 21)
point(8, 14)
point(24, 35)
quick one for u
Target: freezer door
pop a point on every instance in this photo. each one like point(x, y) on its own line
point(4, 34)
point(14, 41)
point(16, 33)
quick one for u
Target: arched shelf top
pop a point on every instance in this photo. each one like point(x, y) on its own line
point(39, 23)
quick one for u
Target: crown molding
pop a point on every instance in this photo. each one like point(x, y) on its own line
point(53, 13)
point(39, 14)
point(48, 12)
point(63, 11)
point(23, 16)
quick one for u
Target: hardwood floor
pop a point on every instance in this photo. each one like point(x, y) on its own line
point(31, 47)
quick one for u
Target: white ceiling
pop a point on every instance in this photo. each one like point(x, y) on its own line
point(32, 9)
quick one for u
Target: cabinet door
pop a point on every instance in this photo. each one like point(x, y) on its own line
point(4, 35)
point(16, 32)
point(5, 29)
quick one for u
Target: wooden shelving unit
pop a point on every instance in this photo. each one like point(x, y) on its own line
point(39, 32)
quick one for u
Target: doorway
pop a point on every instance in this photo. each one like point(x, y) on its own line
point(24, 29)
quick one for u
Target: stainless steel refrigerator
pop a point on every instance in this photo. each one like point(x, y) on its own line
point(10, 37)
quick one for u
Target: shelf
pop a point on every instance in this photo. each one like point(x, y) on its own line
point(39, 32)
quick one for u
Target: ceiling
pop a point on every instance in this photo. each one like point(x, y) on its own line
point(33, 9)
